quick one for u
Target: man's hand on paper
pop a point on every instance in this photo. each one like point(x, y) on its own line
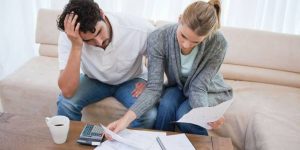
point(122, 123)
point(139, 88)
point(217, 124)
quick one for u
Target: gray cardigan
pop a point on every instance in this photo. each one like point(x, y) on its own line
point(203, 87)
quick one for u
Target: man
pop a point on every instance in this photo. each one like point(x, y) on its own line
point(108, 48)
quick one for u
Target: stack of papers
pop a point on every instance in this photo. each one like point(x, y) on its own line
point(131, 140)
point(145, 140)
point(202, 115)
point(176, 142)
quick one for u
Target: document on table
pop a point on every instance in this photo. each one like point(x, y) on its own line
point(202, 115)
point(176, 142)
point(131, 140)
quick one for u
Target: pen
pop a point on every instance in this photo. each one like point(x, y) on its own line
point(160, 143)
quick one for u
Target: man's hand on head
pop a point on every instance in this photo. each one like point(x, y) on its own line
point(72, 30)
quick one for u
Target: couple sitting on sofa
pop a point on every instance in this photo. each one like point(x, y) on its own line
point(109, 48)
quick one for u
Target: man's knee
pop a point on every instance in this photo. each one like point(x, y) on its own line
point(63, 102)
point(68, 108)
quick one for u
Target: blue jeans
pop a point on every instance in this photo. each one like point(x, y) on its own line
point(92, 90)
point(172, 106)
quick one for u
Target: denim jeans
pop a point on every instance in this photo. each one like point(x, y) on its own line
point(92, 90)
point(172, 106)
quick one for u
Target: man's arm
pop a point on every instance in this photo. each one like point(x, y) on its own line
point(69, 77)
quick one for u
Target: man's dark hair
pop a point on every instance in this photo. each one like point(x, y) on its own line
point(88, 13)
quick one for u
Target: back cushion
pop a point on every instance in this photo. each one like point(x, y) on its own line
point(262, 49)
point(47, 32)
point(260, 56)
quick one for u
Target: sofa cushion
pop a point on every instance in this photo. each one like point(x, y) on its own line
point(48, 50)
point(47, 32)
point(250, 98)
point(262, 49)
point(261, 75)
point(275, 126)
point(46, 28)
point(32, 89)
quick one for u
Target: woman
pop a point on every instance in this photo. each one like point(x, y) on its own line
point(190, 53)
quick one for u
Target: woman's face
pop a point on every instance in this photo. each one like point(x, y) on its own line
point(187, 38)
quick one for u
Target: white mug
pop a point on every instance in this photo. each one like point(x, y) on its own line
point(59, 128)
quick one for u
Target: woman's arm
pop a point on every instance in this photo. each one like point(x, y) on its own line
point(154, 88)
point(198, 92)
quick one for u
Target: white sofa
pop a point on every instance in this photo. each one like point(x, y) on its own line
point(262, 67)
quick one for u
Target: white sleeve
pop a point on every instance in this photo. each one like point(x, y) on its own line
point(64, 49)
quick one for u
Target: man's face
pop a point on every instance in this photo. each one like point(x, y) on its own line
point(187, 38)
point(101, 36)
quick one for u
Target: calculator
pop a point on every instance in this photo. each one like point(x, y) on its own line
point(91, 135)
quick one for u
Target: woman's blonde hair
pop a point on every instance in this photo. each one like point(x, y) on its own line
point(203, 17)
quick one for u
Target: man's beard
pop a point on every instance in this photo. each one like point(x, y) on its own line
point(105, 44)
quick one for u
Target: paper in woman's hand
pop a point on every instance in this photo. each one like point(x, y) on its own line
point(202, 115)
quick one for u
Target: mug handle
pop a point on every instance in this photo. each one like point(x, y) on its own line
point(47, 120)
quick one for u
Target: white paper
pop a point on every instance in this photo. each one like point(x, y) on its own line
point(131, 140)
point(123, 140)
point(203, 115)
point(176, 142)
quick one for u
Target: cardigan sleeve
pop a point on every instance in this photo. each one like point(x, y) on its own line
point(153, 91)
point(198, 94)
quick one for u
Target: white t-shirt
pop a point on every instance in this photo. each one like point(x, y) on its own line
point(122, 58)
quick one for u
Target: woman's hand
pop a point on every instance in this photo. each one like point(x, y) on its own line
point(122, 123)
point(72, 31)
point(217, 124)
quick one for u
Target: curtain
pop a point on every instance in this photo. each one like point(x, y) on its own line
point(17, 27)
point(272, 15)
point(18, 20)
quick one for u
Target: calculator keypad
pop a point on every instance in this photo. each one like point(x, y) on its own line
point(92, 130)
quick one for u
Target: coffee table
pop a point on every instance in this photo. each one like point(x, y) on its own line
point(31, 132)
